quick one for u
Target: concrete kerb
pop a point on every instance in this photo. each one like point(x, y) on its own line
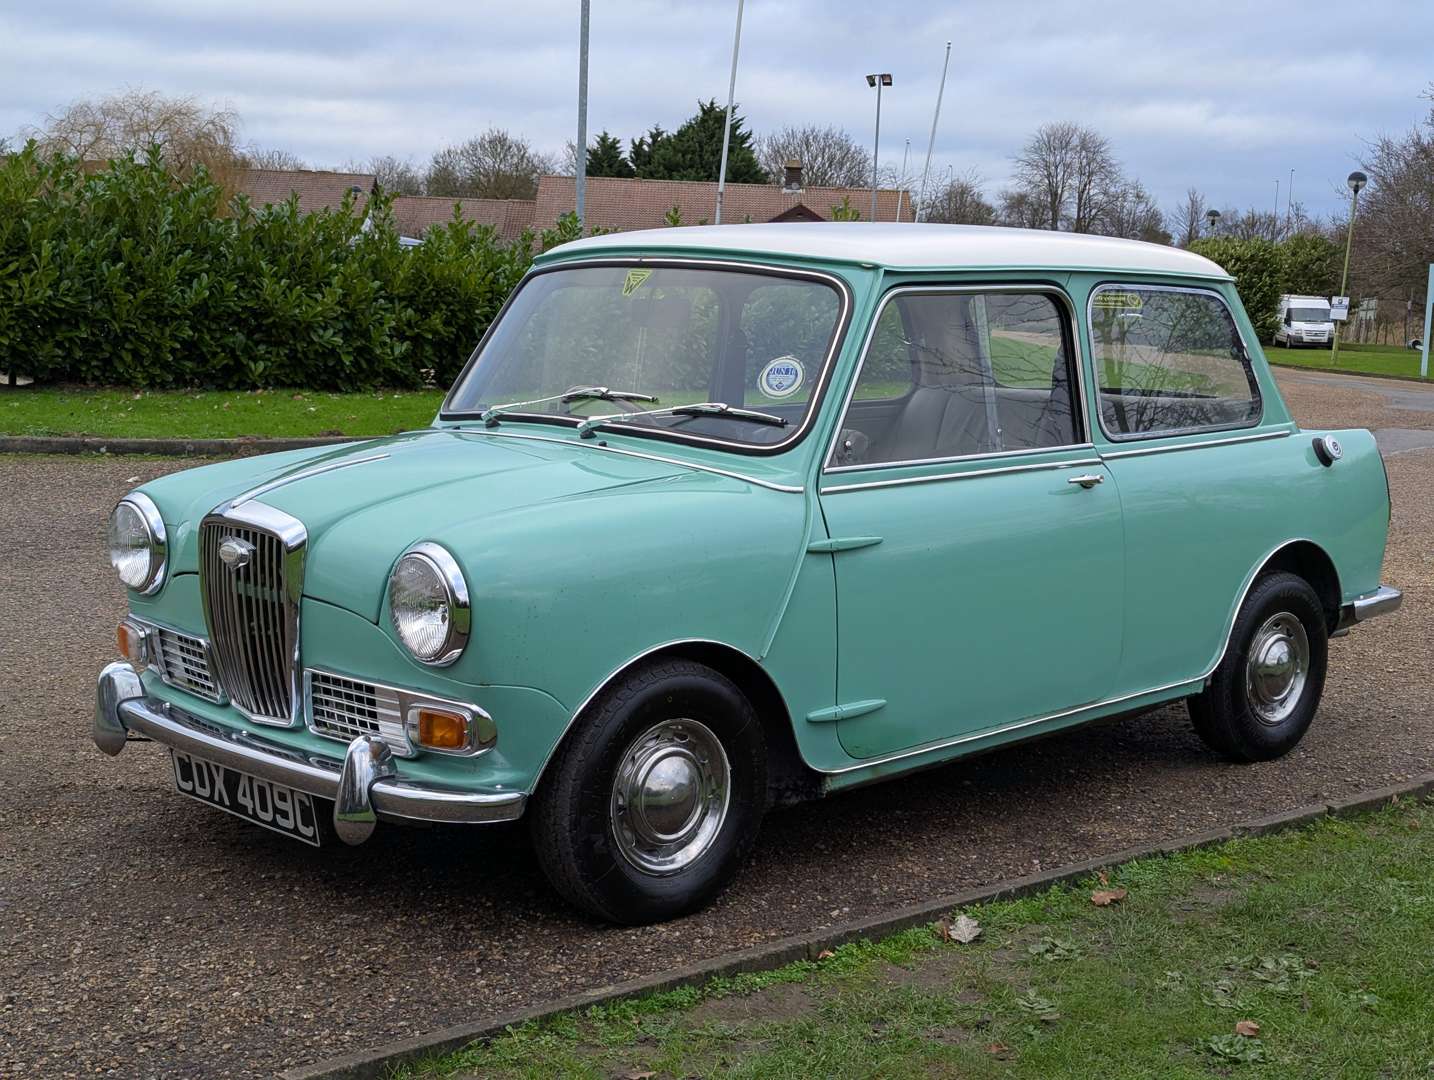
point(377, 1062)
point(1412, 380)
point(92, 444)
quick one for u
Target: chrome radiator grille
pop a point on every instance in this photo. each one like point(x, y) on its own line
point(183, 661)
point(343, 708)
point(251, 589)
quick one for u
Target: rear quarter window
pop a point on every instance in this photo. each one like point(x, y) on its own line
point(1169, 361)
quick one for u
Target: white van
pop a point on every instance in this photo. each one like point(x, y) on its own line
point(1304, 320)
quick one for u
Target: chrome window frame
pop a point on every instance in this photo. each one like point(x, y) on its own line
point(839, 332)
point(1075, 360)
point(1205, 290)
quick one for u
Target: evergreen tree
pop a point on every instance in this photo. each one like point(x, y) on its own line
point(640, 151)
point(694, 150)
point(605, 158)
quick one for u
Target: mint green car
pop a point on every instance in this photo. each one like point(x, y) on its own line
point(721, 518)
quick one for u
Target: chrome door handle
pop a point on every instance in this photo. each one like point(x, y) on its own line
point(1087, 481)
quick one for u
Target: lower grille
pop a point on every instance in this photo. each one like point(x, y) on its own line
point(341, 708)
point(183, 661)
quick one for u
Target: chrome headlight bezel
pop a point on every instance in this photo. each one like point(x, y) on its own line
point(447, 580)
point(155, 543)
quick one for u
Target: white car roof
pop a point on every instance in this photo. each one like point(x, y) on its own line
point(909, 245)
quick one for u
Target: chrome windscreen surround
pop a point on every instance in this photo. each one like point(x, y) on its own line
point(251, 562)
point(343, 707)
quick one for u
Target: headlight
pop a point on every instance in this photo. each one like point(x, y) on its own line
point(428, 600)
point(137, 543)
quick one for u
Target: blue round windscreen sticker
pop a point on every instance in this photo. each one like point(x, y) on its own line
point(782, 377)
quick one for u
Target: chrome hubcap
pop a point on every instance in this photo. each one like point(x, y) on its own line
point(1278, 665)
point(669, 797)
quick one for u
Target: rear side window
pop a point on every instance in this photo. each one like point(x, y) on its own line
point(1169, 361)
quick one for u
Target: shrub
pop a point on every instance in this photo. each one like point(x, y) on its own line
point(1258, 269)
point(132, 276)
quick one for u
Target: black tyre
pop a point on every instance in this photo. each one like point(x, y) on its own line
point(1262, 697)
point(654, 800)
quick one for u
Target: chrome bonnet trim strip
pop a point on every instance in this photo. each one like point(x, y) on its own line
point(586, 445)
point(302, 474)
point(972, 475)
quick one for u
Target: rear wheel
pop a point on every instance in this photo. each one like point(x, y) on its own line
point(1260, 700)
point(653, 802)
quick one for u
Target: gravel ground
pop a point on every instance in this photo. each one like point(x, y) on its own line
point(146, 935)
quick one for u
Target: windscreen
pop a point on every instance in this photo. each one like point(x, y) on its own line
point(1309, 314)
point(712, 353)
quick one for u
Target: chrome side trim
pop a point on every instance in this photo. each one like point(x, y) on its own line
point(972, 475)
point(931, 748)
point(1381, 601)
point(1078, 395)
point(1136, 284)
point(996, 455)
point(314, 773)
point(1141, 451)
point(839, 332)
point(303, 474)
point(695, 465)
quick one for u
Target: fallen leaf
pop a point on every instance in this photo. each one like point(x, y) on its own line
point(825, 954)
point(1248, 1028)
point(998, 1048)
point(1106, 897)
point(1102, 877)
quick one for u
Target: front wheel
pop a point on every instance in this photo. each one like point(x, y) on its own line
point(655, 798)
point(1259, 702)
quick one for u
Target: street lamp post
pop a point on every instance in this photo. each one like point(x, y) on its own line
point(1212, 218)
point(878, 81)
point(1356, 182)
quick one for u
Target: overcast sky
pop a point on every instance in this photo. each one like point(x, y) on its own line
point(1208, 94)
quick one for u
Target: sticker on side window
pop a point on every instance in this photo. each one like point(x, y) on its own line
point(1118, 301)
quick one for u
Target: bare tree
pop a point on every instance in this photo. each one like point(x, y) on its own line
point(127, 124)
point(1023, 210)
point(1095, 181)
point(255, 158)
point(1251, 224)
point(830, 157)
point(1045, 172)
point(494, 165)
point(396, 176)
point(1187, 221)
point(1395, 234)
point(1130, 211)
point(960, 202)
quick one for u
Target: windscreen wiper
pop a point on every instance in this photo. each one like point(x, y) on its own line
point(701, 408)
point(491, 416)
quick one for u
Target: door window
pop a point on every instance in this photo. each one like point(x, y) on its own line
point(1169, 361)
point(952, 374)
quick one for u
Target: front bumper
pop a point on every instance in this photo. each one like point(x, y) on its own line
point(1381, 601)
point(364, 785)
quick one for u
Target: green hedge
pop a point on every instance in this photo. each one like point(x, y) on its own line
point(131, 276)
point(1264, 271)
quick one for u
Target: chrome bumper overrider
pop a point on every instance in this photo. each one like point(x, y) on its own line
point(1381, 601)
point(364, 785)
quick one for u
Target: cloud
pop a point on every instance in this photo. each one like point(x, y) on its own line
point(1219, 96)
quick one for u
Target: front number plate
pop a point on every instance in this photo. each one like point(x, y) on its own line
point(264, 803)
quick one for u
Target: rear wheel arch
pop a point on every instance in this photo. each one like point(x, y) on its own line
point(1306, 559)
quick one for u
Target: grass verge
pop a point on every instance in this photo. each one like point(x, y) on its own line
point(212, 414)
point(1319, 938)
point(1355, 359)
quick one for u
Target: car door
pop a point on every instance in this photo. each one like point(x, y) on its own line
point(976, 536)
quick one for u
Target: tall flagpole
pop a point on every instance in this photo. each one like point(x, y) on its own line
point(727, 128)
point(921, 210)
point(580, 173)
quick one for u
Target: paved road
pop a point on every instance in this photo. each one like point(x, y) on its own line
point(144, 935)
